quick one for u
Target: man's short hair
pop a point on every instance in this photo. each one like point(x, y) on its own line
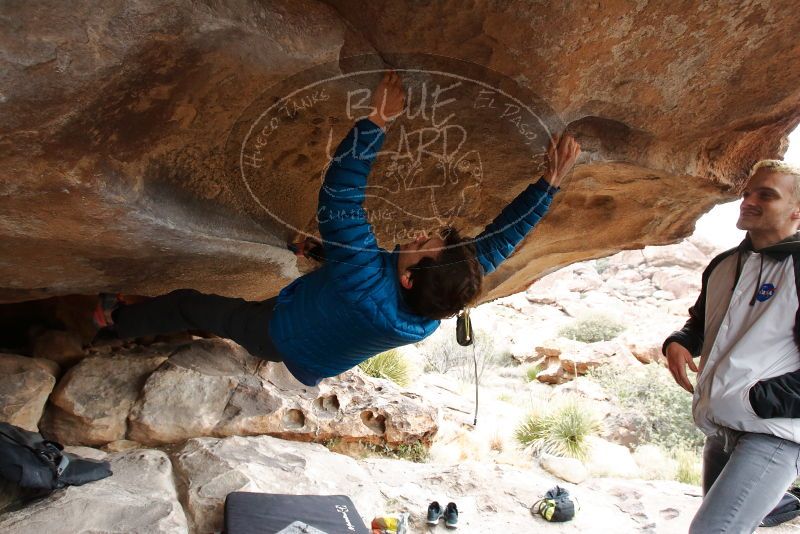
point(444, 286)
point(776, 165)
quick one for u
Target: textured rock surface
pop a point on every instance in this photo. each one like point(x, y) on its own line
point(62, 347)
point(208, 469)
point(25, 384)
point(608, 459)
point(565, 360)
point(217, 388)
point(568, 469)
point(167, 393)
point(91, 403)
point(139, 497)
point(497, 498)
point(115, 123)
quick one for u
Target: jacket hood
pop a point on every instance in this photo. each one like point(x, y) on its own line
point(778, 251)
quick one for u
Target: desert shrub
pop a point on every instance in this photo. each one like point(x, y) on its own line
point(390, 365)
point(505, 397)
point(560, 428)
point(660, 409)
point(592, 328)
point(444, 355)
point(602, 264)
point(496, 443)
point(413, 452)
point(657, 463)
point(532, 371)
point(689, 470)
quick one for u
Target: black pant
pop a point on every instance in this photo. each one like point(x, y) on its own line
point(245, 322)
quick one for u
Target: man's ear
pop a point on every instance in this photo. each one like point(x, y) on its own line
point(406, 281)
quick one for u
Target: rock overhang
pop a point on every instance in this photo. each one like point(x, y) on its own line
point(117, 123)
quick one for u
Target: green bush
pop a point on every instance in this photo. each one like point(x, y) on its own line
point(592, 328)
point(444, 355)
point(390, 365)
point(648, 395)
point(413, 452)
point(561, 429)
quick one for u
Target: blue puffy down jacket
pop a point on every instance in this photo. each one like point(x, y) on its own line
point(351, 308)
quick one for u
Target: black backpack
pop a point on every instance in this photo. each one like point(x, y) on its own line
point(556, 506)
point(31, 462)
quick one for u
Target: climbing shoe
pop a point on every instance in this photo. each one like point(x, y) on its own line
point(451, 515)
point(434, 513)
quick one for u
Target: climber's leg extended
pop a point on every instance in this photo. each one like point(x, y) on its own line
point(245, 322)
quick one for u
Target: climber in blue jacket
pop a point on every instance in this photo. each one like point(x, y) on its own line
point(363, 300)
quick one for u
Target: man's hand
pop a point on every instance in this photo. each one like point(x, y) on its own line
point(387, 100)
point(677, 360)
point(561, 156)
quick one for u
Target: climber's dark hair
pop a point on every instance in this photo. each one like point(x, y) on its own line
point(443, 286)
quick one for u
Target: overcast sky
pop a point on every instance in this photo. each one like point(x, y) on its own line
point(719, 225)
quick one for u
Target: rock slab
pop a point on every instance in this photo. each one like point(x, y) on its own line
point(208, 469)
point(140, 497)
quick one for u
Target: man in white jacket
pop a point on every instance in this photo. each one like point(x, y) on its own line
point(745, 329)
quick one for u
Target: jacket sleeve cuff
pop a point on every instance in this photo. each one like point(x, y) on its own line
point(673, 337)
point(366, 125)
point(544, 185)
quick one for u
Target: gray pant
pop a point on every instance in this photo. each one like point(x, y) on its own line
point(741, 486)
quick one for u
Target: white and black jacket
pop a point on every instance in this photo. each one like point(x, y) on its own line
point(745, 326)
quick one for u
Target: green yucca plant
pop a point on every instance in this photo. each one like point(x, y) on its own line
point(390, 365)
point(533, 371)
point(560, 429)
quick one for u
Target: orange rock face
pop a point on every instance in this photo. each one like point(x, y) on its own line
point(125, 131)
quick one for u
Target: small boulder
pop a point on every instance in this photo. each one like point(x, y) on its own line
point(25, 384)
point(608, 459)
point(568, 469)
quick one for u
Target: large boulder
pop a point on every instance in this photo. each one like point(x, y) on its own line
point(684, 255)
point(208, 469)
point(139, 497)
point(25, 384)
point(91, 404)
point(217, 388)
point(123, 166)
point(678, 281)
point(167, 393)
